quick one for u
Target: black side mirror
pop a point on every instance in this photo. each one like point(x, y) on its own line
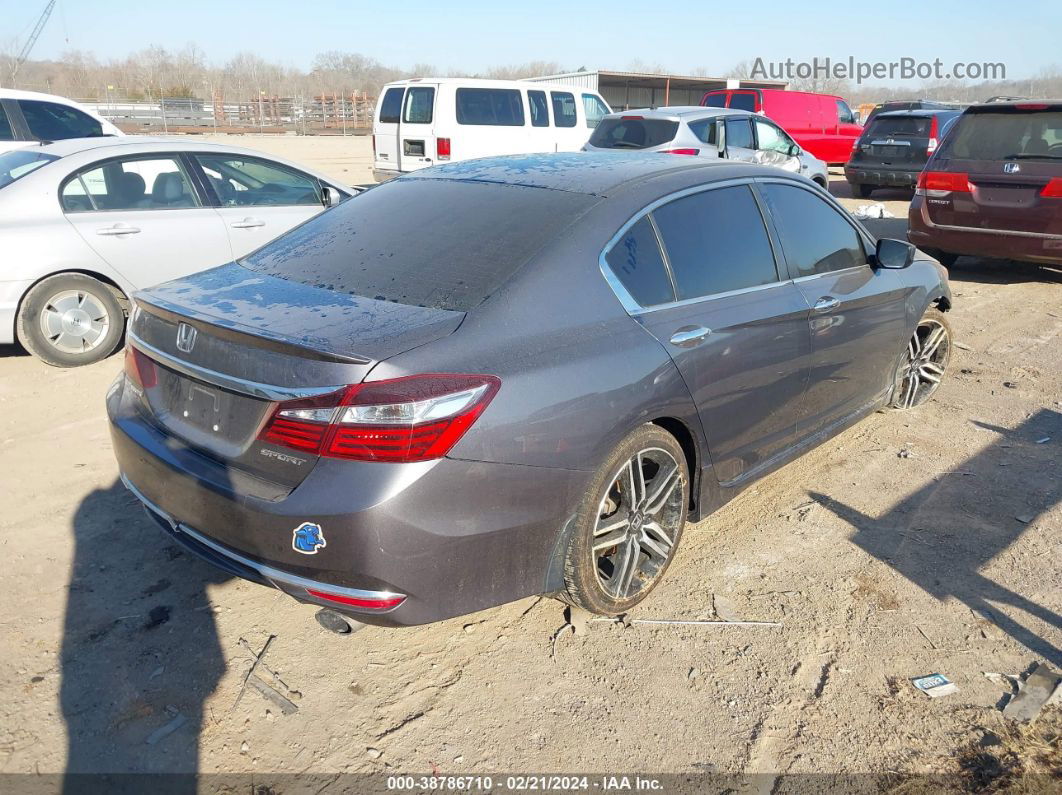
point(794, 150)
point(891, 253)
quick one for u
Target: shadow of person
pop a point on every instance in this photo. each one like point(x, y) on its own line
point(941, 536)
point(140, 650)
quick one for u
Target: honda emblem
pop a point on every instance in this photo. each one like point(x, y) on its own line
point(186, 337)
point(1011, 168)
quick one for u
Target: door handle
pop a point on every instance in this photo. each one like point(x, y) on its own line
point(688, 336)
point(826, 304)
point(248, 223)
point(118, 229)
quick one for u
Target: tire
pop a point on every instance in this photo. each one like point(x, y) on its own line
point(914, 384)
point(646, 544)
point(943, 257)
point(863, 190)
point(69, 320)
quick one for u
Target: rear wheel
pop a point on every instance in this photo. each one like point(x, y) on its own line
point(69, 320)
point(629, 524)
point(924, 363)
point(862, 190)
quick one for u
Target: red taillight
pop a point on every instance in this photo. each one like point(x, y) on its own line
point(934, 129)
point(1053, 189)
point(1032, 105)
point(353, 601)
point(681, 151)
point(139, 368)
point(937, 183)
point(442, 148)
point(415, 418)
point(632, 118)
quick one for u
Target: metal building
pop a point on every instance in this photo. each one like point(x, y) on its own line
point(626, 90)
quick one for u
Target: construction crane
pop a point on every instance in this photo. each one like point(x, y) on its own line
point(24, 54)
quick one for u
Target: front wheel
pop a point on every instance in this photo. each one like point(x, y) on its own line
point(862, 190)
point(629, 524)
point(70, 319)
point(923, 364)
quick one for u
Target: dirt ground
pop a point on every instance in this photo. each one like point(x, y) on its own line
point(913, 543)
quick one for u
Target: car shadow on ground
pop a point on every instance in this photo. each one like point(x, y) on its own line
point(140, 650)
point(941, 536)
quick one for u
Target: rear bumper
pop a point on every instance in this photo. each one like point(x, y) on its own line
point(384, 174)
point(995, 243)
point(884, 176)
point(452, 536)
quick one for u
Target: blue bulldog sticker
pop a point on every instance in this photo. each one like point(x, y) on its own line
point(307, 538)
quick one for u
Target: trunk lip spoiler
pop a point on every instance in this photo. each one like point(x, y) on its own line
point(273, 575)
point(243, 386)
point(155, 306)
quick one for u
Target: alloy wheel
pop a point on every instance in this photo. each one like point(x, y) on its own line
point(638, 523)
point(923, 366)
point(74, 321)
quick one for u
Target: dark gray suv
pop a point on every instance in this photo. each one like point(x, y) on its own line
point(513, 376)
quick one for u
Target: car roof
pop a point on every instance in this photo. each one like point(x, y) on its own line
point(671, 111)
point(916, 112)
point(485, 82)
point(17, 93)
point(1019, 104)
point(592, 173)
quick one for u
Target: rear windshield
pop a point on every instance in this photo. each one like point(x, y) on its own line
point(439, 243)
point(911, 126)
point(998, 135)
point(633, 133)
point(21, 162)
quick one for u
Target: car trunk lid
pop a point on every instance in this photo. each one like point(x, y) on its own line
point(226, 346)
point(1009, 156)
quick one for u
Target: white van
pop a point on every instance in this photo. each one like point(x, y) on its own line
point(424, 121)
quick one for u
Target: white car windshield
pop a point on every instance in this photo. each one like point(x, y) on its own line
point(21, 162)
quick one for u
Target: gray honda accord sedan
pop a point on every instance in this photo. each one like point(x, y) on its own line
point(513, 376)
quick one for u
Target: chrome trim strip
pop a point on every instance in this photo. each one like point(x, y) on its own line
point(268, 572)
point(230, 382)
point(989, 231)
point(705, 298)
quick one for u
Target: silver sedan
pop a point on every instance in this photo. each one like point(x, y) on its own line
point(708, 132)
point(87, 221)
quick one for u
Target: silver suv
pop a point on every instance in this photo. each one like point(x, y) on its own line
point(709, 132)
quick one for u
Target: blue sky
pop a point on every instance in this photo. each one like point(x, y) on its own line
point(471, 35)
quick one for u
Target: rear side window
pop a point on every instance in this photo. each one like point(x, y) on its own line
point(156, 183)
point(50, 121)
point(716, 242)
point(536, 101)
point(5, 126)
point(743, 102)
point(908, 126)
point(391, 107)
point(497, 107)
point(633, 133)
point(815, 237)
point(441, 243)
point(420, 103)
point(999, 135)
point(636, 261)
point(704, 130)
point(714, 101)
point(594, 109)
point(739, 133)
point(564, 114)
